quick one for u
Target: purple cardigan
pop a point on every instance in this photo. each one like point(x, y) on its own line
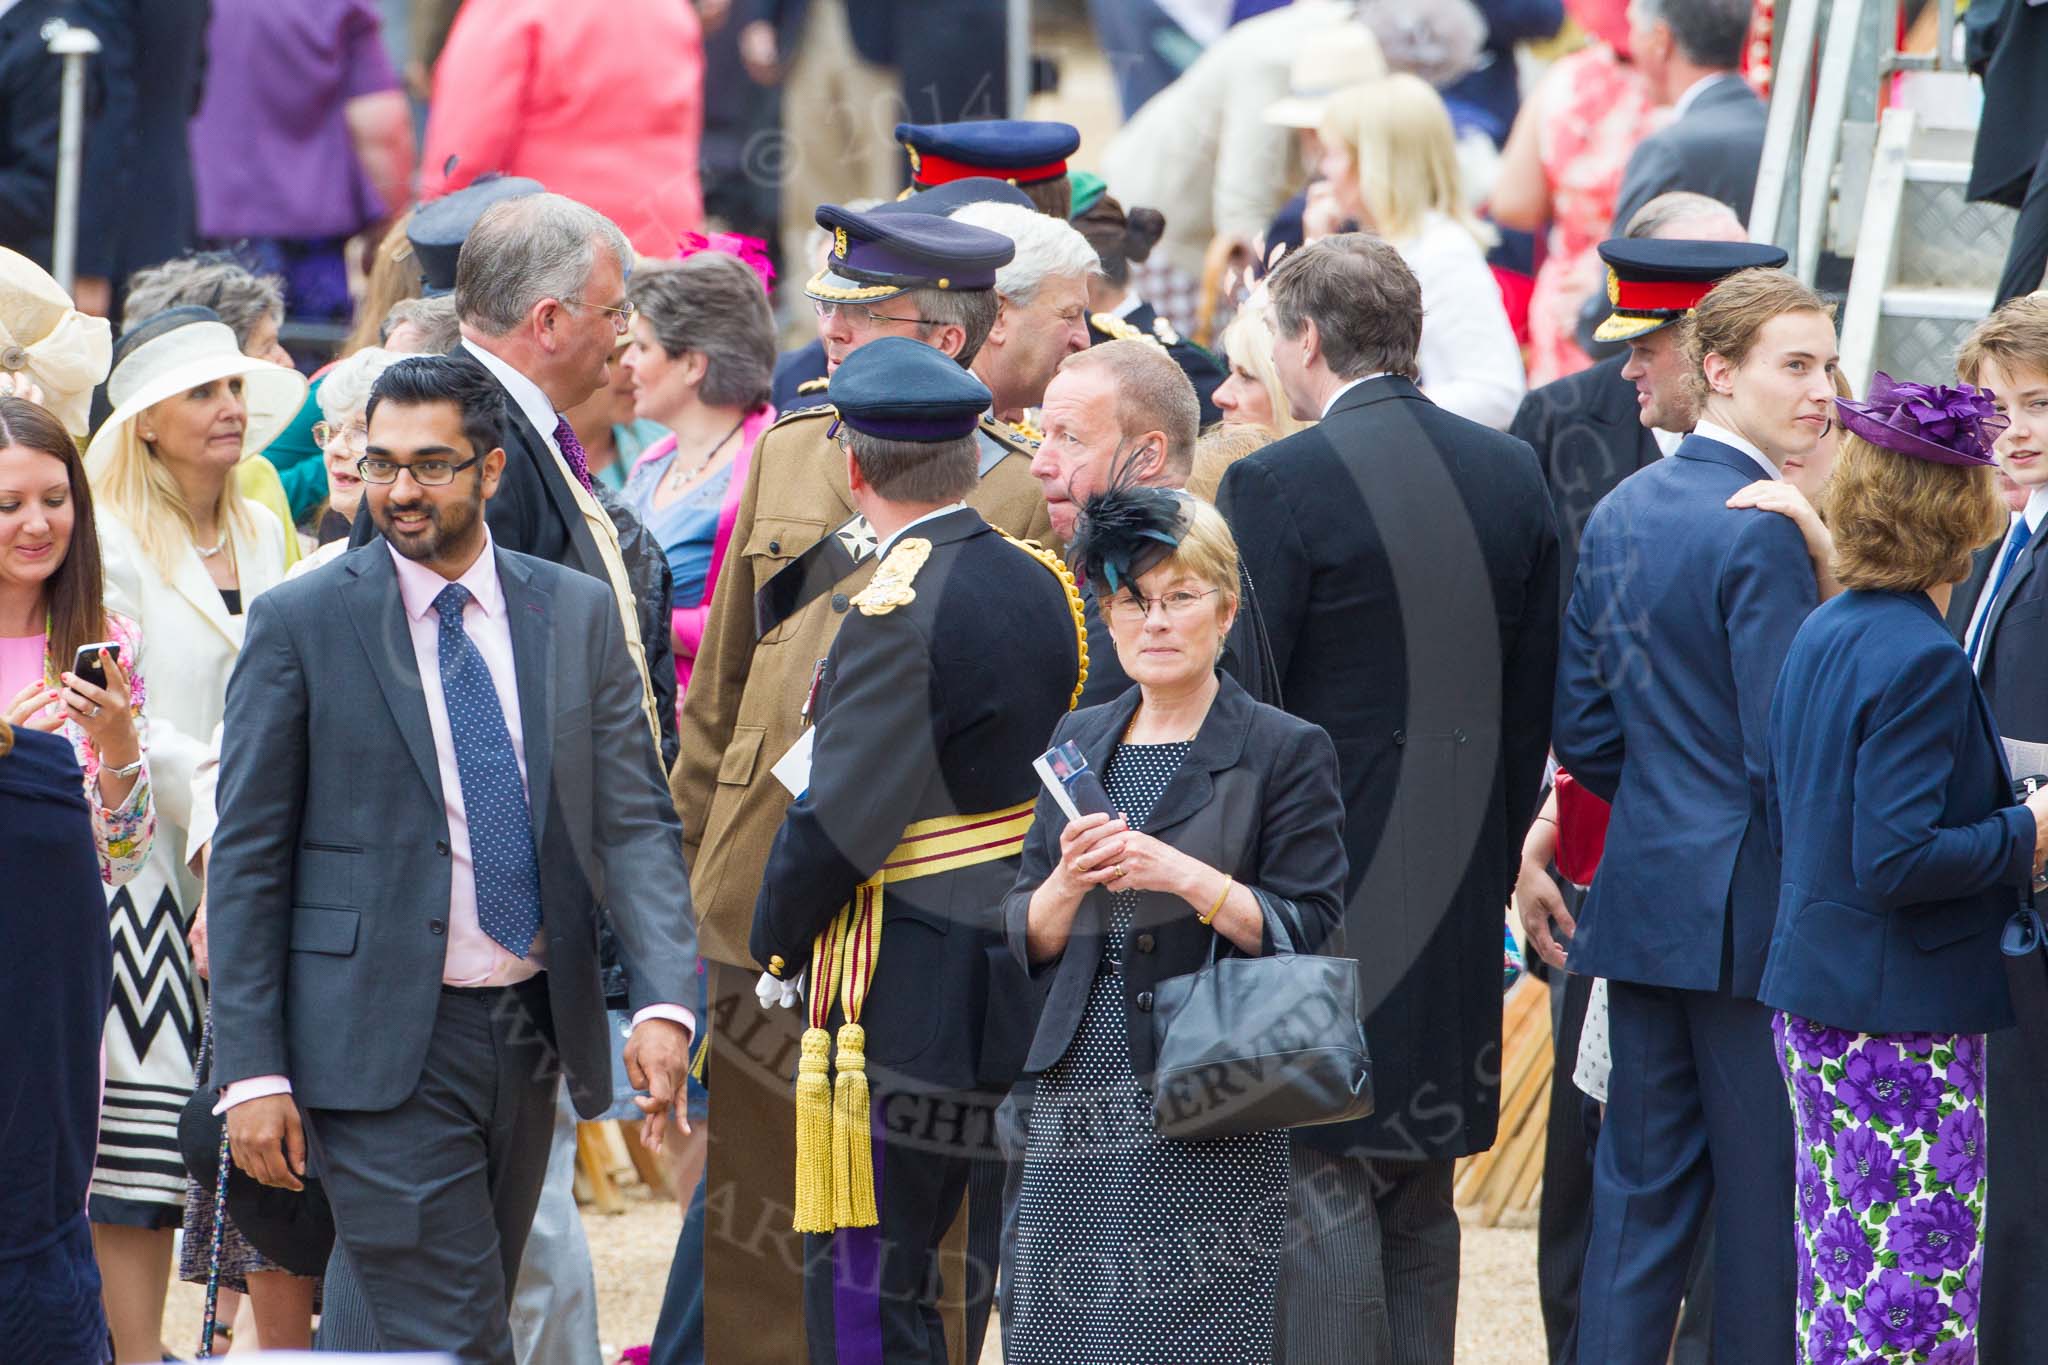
point(689, 621)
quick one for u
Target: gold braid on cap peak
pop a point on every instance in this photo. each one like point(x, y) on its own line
point(1075, 607)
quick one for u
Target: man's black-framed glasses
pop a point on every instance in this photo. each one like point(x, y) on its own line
point(425, 473)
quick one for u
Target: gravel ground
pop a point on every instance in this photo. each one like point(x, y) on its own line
point(1497, 1318)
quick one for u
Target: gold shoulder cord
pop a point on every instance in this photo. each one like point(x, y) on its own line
point(1058, 568)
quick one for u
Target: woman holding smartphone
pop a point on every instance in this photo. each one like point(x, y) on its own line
point(54, 952)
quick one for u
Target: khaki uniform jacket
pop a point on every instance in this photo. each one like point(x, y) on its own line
point(744, 706)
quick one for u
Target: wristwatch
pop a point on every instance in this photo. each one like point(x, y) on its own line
point(125, 771)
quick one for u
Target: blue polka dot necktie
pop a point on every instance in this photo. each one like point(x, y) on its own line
point(493, 795)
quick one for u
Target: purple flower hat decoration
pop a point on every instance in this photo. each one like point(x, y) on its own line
point(1946, 423)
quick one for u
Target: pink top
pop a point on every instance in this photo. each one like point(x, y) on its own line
point(21, 663)
point(473, 958)
point(1595, 109)
point(689, 621)
point(124, 834)
point(601, 102)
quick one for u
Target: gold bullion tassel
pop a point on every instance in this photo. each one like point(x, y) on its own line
point(853, 1158)
point(814, 1134)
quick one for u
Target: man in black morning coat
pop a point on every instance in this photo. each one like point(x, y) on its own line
point(1407, 561)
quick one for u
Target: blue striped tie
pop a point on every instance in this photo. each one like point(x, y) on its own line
point(493, 794)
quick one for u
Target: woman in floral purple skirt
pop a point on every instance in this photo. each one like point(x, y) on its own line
point(1904, 856)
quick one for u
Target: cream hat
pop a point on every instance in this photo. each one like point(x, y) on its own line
point(46, 342)
point(1328, 62)
point(186, 355)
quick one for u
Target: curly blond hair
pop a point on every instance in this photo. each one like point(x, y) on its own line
point(1906, 525)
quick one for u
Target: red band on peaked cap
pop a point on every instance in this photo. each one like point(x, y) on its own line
point(939, 170)
point(1659, 296)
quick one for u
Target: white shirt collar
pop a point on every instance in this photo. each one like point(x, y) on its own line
point(1132, 302)
point(904, 530)
point(419, 585)
point(1349, 385)
point(1685, 102)
point(2036, 509)
point(1667, 441)
point(526, 395)
point(1726, 437)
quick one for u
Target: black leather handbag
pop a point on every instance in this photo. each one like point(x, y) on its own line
point(1250, 1044)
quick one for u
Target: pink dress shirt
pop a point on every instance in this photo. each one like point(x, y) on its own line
point(474, 957)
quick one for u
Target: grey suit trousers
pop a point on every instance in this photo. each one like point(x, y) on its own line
point(1370, 1272)
point(433, 1199)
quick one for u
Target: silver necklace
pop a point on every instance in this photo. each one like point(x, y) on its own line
point(209, 551)
point(675, 470)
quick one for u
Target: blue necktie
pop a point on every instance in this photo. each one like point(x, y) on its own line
point(2021, 534)
point(493, 795)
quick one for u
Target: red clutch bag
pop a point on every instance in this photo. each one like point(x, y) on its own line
point(1581, 831)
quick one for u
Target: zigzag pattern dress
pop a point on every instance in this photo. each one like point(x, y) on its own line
point(152, 1036)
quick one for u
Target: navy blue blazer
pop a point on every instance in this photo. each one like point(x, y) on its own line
point(1903, 851)
point(1680, 615)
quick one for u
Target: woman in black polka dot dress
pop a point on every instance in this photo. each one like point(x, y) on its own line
point(1131, 1248)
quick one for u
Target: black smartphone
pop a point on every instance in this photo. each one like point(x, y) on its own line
point(86, 663)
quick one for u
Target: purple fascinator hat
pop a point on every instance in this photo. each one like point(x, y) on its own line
point(1948, 424)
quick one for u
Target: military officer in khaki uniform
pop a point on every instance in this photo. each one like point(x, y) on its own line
point(799, 554)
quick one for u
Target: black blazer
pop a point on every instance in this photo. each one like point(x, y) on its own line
point(29, 79)
point(1407, 565)
point(2009, 144)
point(2014, 656)
point(136, 204)
point(1256, 797)
point(1587, 439)
point(934, 708)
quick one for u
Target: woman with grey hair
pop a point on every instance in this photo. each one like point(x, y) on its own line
point(701, 351)
point(343, 434)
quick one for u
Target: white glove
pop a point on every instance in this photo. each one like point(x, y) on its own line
point(772, 991)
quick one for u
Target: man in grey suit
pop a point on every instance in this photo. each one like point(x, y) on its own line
point(434, 765)
point(1690, 53)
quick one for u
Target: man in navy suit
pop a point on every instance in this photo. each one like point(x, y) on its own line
point(1681, 614)
point(2002, 626)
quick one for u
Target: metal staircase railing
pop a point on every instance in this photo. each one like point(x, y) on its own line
point(1866, 155)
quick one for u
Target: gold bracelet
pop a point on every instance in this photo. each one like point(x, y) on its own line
point(1210, 918)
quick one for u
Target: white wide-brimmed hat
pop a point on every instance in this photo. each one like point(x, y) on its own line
point(46, 342)
point(1337, 57)
point(185, 356)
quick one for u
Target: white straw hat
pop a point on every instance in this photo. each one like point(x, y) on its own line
point(1331, 60)
point(198, 352)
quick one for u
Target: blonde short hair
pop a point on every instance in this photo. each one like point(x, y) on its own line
point(1248, 345)
point(1906, 525)
point(1399, 135)
point(1207, 552)
point(2014, 336)
point(1219, 449)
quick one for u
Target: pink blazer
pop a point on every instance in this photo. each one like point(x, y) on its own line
point(689, 621)
point(533, 87)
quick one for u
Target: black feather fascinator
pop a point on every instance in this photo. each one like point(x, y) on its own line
point(1124, 530)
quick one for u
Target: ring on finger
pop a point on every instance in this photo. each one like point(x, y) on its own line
point(94, 713)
